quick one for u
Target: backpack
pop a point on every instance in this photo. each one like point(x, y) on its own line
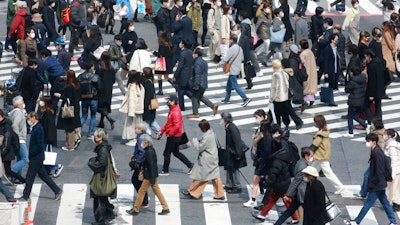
point(388, 168)
point(294, 157)
point(15, 89)
point(66, 15)
point(87, 89)
point(82, 59)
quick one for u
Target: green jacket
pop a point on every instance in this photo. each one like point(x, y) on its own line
point(10, 12)
point(194, 14)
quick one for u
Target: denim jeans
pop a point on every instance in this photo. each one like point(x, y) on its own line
point(369, 202)
point(232, 83)
point(153, 125)
point(92, 104)
point(363, 191)
point(352, 113)
point(289, 212)
point(6, 191)
point(22, 159)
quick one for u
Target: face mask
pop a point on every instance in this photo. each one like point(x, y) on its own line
point(131, 28)
point(281, 14)
point(268, 11)
point(169, 104)
point(235, 32)
point(29, 123)
point(310, 159)
point(180, 4)
point(118, 43)
point(275, 135)
point(219, 4)
point(41, 103)
point(385, 137)
point(142, 146)
point(53, 4)
point(258, 120)
point(305, 179)
point(23, 106)
point(372, 127)
point(356, 6)
point(32, 35)
point(368, 145)
point(230, 12)
point(379, 35)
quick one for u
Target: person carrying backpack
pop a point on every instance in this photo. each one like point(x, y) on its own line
point(90, 84)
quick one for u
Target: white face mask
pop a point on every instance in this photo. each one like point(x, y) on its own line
point(368, 145)
point(385, 137)
point(305, 179)
point(131, 28)
point(235, 32)
point(23, 106)
point(275, 135)
point(41, 103)
point(180, 4)
point(53, 4)
point(29, 123)
point(219, 4)
point(32, 35)
point(356, 6)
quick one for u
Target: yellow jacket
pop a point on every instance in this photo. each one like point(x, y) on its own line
point(323, 144)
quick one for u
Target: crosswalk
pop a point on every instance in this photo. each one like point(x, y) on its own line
point(76, 207)
point(243, 116)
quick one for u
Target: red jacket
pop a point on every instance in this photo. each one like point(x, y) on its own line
point(18, 24)
point(173, 126)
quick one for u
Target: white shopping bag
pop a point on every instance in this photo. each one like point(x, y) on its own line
point(272, 110)
point(50, 157)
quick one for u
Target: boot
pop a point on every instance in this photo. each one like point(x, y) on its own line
point(249, 83)
point(111, 120)
point(135, 16)
point(160, 91)
point(101, 124)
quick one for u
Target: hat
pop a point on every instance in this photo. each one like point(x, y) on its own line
point(21, 4)
point(173, 98)
point(37, 18)
point(294, 49)
point(311, 171)
point(60, 41)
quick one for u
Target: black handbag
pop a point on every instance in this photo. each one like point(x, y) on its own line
point(184, 142)
point(249, 70)
point(222, 153)
point(326, 94)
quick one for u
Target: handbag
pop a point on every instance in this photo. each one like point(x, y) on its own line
point(221, 153)
point(67, 111)
point(227, 66)
point(184, 142)
point(105, 183)
point(277, 36)
point(340, 7)
point(50, 157)
point(153, 103)
point(160, 64)
point(332, 210)
point(249, 70)
point(326, 94)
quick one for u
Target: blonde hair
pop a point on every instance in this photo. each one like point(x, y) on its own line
point(276, 63)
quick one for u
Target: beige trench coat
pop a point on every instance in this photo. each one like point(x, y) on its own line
point(308, 59)
point(388, 50)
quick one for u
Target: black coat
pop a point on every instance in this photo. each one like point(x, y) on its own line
point(234, 144)
point(107, 78)
point(377, 48)
point(48, 121)
point(376, 176)
point(6, 147)
point(172, 17)
point(354, 61)
point(28, 84)
point(376, 82)
point(184, 71)
point(149, 93)
point(183, 30)
point(126, 37)
point(286, 20)
point(316, 30)
point(329, 66)
point(168, 53)
point(278, 173)
point(149, 165)
point(164, 20)
point(244, 43)
point(50, 23)
point(74, 96)
point(356, 88)
point(295, 81)
point(244, 5)
point(314, 203)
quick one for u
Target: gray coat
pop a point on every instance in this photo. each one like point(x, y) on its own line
point(301, 30)
point(206, 168)
point(297, 188)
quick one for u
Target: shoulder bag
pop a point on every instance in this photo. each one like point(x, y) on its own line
point(332, 210)
point(67, 111)
point(227, 66)
point(50, 157)
point(105, 183)
point(277, 36)
point(153, 103)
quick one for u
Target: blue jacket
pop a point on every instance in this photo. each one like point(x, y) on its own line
point(64, 58)
point(200, 73)
point(37, 143)
point(139, 151)
point(53, 68)
point(376, 176)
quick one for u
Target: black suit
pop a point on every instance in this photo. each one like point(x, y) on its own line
point(328, 66)
point(183, 73)
point(377, 48)
point(244, 43)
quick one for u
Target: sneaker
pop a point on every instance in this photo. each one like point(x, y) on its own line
point(90, 137)
point(77, 143)
point(8, 179)
point(392, 223)
point(58, 170)
point(293, 222)
point(58, 196)
point(131, 212)
point(221, 198)
point(260, 217)
point(163, 173)
point(360, 127)
point(226, 101)
point(359, 196)
point(250, 204)
point(164, 212)
point(246, 102)
point(131, 143)
point(338, 192)
point(74, 59)
point(348, 135)
point(67, 149)
point(350, 222)
point(144, 205)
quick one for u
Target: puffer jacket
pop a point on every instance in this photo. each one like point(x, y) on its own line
point(321, 146)
point(262, 26)
point(392, 149)
point(279, 86)
point(173, 126)
point(278, 173)
point(18, 24)
point(6, 149)
point(356, 88)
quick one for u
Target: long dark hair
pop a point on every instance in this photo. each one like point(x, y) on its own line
point(163, 39)
point(71, 80)
point(393, 134)
point(105, 62)
point(134, 77)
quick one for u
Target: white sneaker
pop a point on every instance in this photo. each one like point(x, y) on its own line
point(250, 204)
point(368, 129)
point(348, 135)
point(280, 202)
point(338, 192)
point(131, 143)
point(58, 170)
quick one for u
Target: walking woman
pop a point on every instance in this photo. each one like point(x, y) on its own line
point(277, 25)
point(388, 45)
point(352, 22)
point(206, 167)
point(150, 174)
point(102, 208)
point(205, 7)
point(106, 74)
point(314, 198)
point(264, 22)
point(149, 115)
point(165, 50)
point(392, 149)
point(70, 95)
point(132, 105)
point(321, 146)
point(141, 57)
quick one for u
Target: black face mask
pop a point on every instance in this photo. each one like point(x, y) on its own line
point(379, 35)
point(169, 104)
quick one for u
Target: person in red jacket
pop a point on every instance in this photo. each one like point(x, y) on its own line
point(17, 29)
point(173, 131)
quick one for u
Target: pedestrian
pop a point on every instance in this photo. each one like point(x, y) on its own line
point(149, 115)
point(3, 188)
point(118, 61)
point(286, 21)
point(16, 33)
point(141, 57)
point(123, 14)
point(376, 182)
point(29, 91)
point(225, 29)
point(310, 86)
point(49, 20)
point(234, 57)
point(264, 22)
point(214, 29)
point(76, 26)
point(28, 43)
point(297, 188)
point(245, 45)
point(90, 84)
point(129, 39)
point(388, 45)
point(61, 6)
point(92, 40)
point(321, 145)
point(236, 158)
point(9, 148)
point(40, 30)
point(63, 56)
point(392, 149)
point(136, 161)
point(206, 167)
point(165, 50)
point(352, 21)
point(314, 198)
point(277, 25)
point(184, 71)
point(199, 84)
point(279, 95)
point(106, 74)
point(102, 208)
point(150, 174)
point(354, 61)
point(70, 95)
point(173, 130)
point(363, 44)
point(37, 147)
point(163, 21)
point(205, 8)
point(47, 119)
point(108, 5)
point(297, 75)
point(302, 7)
point(183, 30)
point(300, 27)
point(375, 44)
point(356, 88)
point(10, 16)
point(316, 29)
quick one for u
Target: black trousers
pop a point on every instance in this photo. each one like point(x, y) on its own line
point(102, 208)
point(76, 33)
point(36, 167)
point(172, 146)
point(137, 184)
point(284, 110)
point(10, 173)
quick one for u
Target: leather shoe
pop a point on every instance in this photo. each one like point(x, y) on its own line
point(131, 212)
point(332, 104)
point(215, 109)
point(234, 190)
point(187, 194)
point(192, 116)
point(221, 198)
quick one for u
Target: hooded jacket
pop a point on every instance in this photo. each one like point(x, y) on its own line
point(278, 173)
point(356, 88)
point(321, 146)
point(392, 149)
point(18, 24)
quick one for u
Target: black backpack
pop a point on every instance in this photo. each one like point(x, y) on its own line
point(388, 168)
point(294, 157)
point(87, 89)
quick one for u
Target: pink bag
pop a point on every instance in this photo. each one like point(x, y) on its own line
point(160, 64)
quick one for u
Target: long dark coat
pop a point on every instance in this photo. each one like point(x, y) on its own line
point(48, 121)
point(376, 82)
point(107, 78)
point(50, 23)
point(149, 93)
point(314, 203)
point(234, 146)
point(74, 96)
point(286, 21)
point(329, 66)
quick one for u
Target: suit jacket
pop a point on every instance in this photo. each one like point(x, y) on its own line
point(184, 71)
point(183, 30)
point(329, 66)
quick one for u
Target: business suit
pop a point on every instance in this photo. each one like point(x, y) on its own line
point(183, 73)
point(243, 42)
point(182, 30)
point(328, 67)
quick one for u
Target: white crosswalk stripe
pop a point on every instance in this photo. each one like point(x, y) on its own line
point(75, 202)
point(259, 94)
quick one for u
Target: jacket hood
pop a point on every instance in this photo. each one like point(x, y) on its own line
point(22, 12)
point(380, 132)
point(359, 79)
point(289, 71)
point(323, 133)
point(6, 121)
point(247, 21)
point(282, 154)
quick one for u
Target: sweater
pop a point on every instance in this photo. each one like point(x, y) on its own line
point(17, 116)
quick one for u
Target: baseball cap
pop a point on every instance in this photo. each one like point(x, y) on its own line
point(173, 98)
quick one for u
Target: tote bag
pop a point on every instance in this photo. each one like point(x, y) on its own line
point(103, 184)
point(50, 157)
point(67, 111)
point(277, 37)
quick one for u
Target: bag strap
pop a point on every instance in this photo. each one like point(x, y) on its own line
point(236, 55)
point(329, 200)
point(68, 102)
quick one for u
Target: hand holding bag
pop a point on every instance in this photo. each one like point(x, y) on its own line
point(153, 103)
point(105, 183)
point(326, 94)
point(184, 142)
point(277, 36)
point(67, 111)
point(160, 64)
point(50, 157)
point(332, 210)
